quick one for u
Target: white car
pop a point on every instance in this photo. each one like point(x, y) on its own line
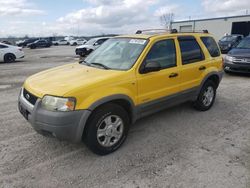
point(60, 42)
point(77, 42)
point(90, 46)
point(9, 53)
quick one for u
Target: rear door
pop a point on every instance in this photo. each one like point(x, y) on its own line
point(193, 62)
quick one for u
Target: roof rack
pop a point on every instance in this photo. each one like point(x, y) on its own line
point(154, 31)
point(160, 31)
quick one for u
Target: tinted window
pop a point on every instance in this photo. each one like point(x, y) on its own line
point(190, 50)
point(164, 53)
point(3, 46)
point(211, 45)
point(101, 41)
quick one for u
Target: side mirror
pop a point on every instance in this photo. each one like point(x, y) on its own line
point(151, 67)
point(96, 43)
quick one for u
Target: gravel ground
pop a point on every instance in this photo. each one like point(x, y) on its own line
point(178, 147)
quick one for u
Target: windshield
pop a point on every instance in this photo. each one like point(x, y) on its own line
point(245, 43)
point(91, 42)
point(117, 53)
point(228, 38)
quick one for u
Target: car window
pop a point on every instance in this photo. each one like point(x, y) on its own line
point(211, 45)
point(118, 53)
point(244, 44)
point(190, 50)
point(101, 41)
point(164, 53)
point(3, 46)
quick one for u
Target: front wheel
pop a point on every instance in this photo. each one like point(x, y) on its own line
point(206, 96)
point(107, 129)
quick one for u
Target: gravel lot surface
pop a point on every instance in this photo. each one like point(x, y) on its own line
point(178, 147)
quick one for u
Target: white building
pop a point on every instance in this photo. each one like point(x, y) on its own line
point(217, 26)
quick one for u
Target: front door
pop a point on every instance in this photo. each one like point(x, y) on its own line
point(155, 86)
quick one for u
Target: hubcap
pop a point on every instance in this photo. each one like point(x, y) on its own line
point(208, 96)
point(110, 130)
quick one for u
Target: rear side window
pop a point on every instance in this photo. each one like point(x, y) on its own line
point(190, 50)
point(211, 45)
point(3, 46)
point(164, 53)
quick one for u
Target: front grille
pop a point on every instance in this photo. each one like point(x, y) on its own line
point(29, 97)
point(241, 60)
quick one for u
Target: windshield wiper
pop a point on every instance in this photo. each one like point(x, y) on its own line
point(101, 65)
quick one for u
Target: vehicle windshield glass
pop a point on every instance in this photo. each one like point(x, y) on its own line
point(245, 43)
point(91, 42)
point(228, 38)
point(117, 53)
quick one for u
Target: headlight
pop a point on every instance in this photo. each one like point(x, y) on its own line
point(229, 45)
point(58, 103)
point(229, 58)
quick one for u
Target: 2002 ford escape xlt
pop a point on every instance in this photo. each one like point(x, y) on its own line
point(127, 78)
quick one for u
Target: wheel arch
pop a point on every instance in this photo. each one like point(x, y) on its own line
point(5, 55)
point(9, 53)
point(123, 100)
point(214, 76)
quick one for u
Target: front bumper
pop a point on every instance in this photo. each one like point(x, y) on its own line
point(233, 67)
point(62, 125)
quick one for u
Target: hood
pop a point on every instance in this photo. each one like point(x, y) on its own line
point(239, 52)
point(61, 80)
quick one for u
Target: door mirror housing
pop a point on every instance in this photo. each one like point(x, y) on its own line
point(150, 66)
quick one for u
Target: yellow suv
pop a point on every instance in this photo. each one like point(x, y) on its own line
point(126, 78)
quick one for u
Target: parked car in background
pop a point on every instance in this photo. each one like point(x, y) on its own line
point(90, 46)
point(9, 53)
point(238, 59)
point(228, 42)
point(39, 44)
point(60, 42)
point(125, 79)
point(6, 42)
point(24, 43)
point(77, 42)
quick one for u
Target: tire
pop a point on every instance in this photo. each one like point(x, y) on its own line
point(9, 58)
point(112, 123)
point(74, 44)
point(206, 96)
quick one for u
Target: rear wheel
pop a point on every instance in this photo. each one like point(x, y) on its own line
point(9, 58)
point(107, 129)
point(206, 97)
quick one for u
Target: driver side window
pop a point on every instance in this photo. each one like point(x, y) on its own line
point(164, 53)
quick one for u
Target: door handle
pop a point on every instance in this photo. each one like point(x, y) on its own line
point(202, 68)
point(172, 75)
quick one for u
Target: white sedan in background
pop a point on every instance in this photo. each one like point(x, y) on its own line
point(60, 42)
point(77, 42)
point(9, 53)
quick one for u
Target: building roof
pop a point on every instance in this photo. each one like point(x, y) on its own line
point(207, 19)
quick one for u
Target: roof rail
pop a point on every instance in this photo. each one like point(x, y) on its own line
point(160, 31)
point(195, 31)
point(155, 31)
